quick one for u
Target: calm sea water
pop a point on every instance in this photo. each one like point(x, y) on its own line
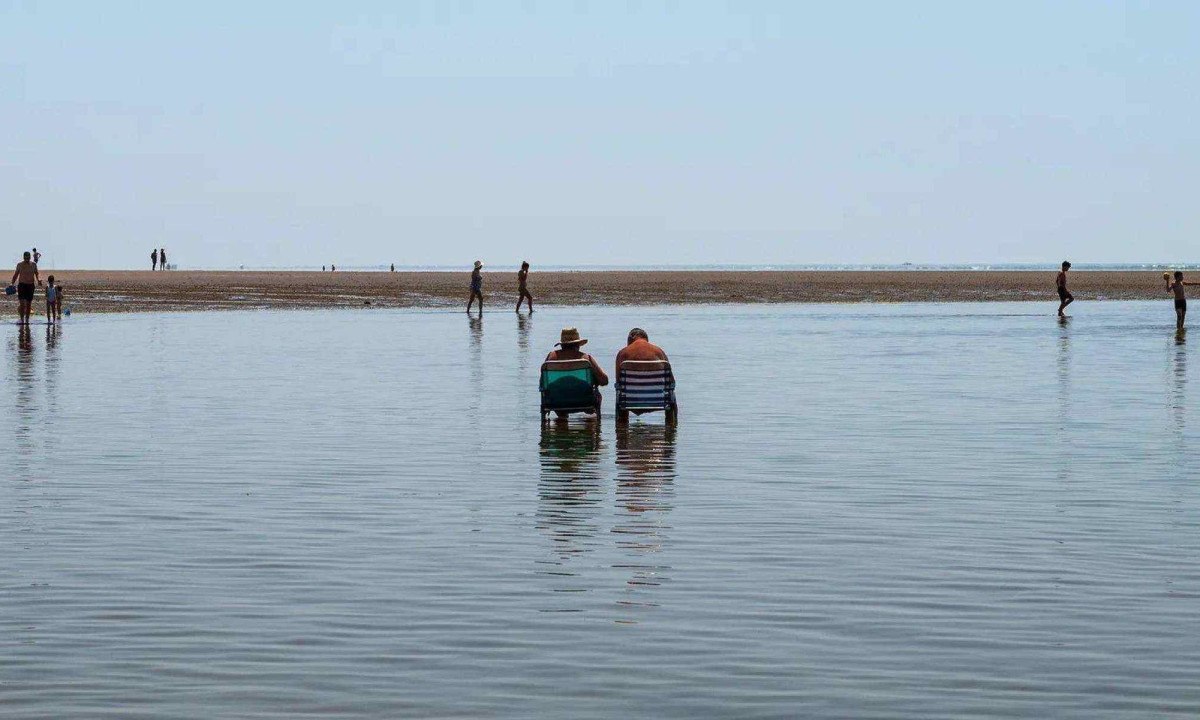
point(866, 511)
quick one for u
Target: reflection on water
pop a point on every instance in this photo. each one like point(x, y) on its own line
point(1179, 383)
point(645, 490)
point(25, 392)
point(230, 521)
point(524, 331)
point(570, 497)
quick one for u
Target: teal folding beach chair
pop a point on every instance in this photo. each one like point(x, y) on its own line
point(645, 386)
point(568, 386)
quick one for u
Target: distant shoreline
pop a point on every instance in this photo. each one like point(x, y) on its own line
point(188, 290)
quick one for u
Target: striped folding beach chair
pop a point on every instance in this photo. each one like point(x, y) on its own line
point(646, 386)
point(568, 386)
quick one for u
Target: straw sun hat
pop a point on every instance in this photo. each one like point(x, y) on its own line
point(570, 336)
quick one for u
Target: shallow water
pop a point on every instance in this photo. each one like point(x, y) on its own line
point(866, 511)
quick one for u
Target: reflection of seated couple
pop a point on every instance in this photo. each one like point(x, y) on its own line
point(645, 453)
point(571, 378)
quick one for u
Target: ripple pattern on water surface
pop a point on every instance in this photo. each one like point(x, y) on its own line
point(871, 511)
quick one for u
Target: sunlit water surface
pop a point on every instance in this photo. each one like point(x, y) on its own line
point(866, 511)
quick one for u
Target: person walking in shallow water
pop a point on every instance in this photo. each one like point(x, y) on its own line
point(1065, 297)
point(25, 277)
point(522, 277)
point(1176, 287)
point(476, 286)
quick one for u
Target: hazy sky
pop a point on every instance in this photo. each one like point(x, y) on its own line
point(599, 133)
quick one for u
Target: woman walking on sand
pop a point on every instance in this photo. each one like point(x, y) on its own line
point(476, 286)
point(522, 276)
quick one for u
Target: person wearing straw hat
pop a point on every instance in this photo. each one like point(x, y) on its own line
point(569, 344)
point(476, 286)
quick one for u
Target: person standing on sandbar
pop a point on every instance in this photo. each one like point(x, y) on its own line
point(1065, 297)
point(154, 259)
point(162, 258)
point(522, 277)
point(476, 286)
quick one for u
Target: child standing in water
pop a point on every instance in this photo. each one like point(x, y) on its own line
point(1180, 299)
point(1065, 297)
point(476, 286)
point(58, 302)
point(522, 276)
point(51, 299)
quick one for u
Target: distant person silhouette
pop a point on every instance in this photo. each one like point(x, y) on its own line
point(393, 267)
point(37, 256)
point(1065, 297)
point(162, 258)
point(51, 299)
point(1180, 299)
point(522, 278)
point(476, 286)
point(154, 259)
point(25, 277)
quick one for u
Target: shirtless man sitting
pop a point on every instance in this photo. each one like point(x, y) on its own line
point(25, 278)
point(639, 347)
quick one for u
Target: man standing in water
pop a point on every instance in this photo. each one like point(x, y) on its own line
point(476, 286)
point(1065, 297)
point(1180, 299)
point(522, 277)
point(25, 277)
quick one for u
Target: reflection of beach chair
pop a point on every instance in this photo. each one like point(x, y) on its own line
point(646, 386)
point(568, 386)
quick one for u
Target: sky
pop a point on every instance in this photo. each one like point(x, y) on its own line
point(282, 134)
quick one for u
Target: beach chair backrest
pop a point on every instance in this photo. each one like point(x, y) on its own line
point(645, 385)
point(567, 384)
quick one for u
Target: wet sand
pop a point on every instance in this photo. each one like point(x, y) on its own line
point(134, 291)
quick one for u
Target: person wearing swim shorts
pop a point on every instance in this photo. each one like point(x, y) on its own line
point(1180, 299)
point(25, 277)
point(1065, 297)
point(476, 286)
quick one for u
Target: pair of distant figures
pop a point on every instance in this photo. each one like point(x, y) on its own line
point(1175, 286)
point(523, 294)
point(158, 259)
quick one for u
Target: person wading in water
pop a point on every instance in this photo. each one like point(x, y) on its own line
point(522, 278)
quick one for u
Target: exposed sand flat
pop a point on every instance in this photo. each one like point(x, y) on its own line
point(133, 291)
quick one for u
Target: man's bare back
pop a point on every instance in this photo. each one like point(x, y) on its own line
point(27, 272)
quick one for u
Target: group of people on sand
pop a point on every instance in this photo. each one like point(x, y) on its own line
point(523, 294)
point(25, 281)
point(1175, 285)
point(158, 259)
